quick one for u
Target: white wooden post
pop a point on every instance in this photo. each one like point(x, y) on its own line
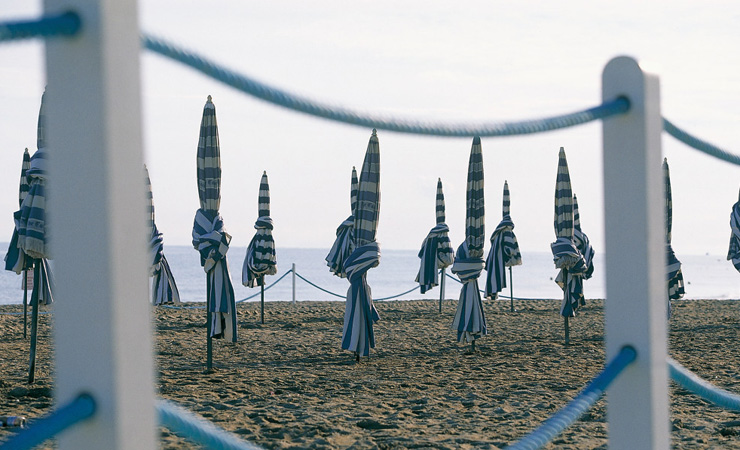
point(637, 404)
point(97, 214)
point(294, 283)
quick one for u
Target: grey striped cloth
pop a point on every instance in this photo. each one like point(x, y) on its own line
point(580, 239)
point(674, 275)
point(261, 259)
point(164, 288)
point(504, 250)
point(344, 243)
point(733, 253)
point(436, 251)
point(360, 313)
point(15, 259)
point(209, 235)
point(470, 321)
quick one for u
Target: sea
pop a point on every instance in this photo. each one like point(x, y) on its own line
point(705, 276)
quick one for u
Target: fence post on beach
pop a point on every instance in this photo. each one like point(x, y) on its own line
point(102, 329)
point(293, 270)
point(635, 310)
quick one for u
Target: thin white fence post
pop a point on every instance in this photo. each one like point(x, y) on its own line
point(97, 210)
point(637, 404)
point(293, 283)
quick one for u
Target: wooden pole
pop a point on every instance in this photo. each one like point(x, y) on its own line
point(34, 325)
point(293, 270)
point(262, 298)
point(209, 329)
point(511, 288)
point(441, 289)
point(25, 301)
point(565, 299)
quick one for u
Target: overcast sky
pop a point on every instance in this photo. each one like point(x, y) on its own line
point(490, 60)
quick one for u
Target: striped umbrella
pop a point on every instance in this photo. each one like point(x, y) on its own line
point(470, 321)
point(504, 252)
point(260, 259)
point(733, 253)
point(566, 256)
point(164, 288)
point(436, 251)
point(674, 276)
point(583, 245)
point(360, 313)
point(344, 243)
point(210, 237)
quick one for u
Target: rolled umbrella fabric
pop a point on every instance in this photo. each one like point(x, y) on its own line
point(582, 243)
point(436, 250)
point(470, 320)
point(344, 243)
point(733, 253)
point(164, 288)
point(209, 235)
point(565, 253)
point(261, 259)
point(15, 259)
point(360, 313)
point(674, 275)
point(504, 251)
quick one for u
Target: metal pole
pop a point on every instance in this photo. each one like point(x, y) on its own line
point(25, 301)
point(209, 329)
point(293, 270)
point(511, 288)
point(262, 298)
point(565, 299)
point(635, 313)
point(102, 326)
point(441, 289)
point(34, 325)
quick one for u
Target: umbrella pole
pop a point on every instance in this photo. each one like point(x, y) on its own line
point(25, 302)
point(262, 298)
point(565, 299)
point(511, 288)
point(34, 324)
point(209, 340)
point(441, 289)
point(472, 346)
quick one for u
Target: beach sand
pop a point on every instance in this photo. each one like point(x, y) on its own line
point(287, 384)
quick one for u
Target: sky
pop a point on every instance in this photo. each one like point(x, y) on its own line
point(471, 61)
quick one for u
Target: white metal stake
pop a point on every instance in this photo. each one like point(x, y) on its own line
point(637, 406)
point(293, 283)
point(98, 213)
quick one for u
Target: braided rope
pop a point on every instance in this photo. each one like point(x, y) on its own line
point(698, 144)
point(65, 24)
point(691, 382)
point(579, 405)
point(196, 429)
point(266, 288)
point(318, 287)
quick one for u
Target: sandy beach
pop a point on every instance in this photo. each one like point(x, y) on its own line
point(287, 384)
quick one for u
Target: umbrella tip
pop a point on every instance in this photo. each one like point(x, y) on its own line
point(476, 140)
point(665, 159)
point(264, 173)
point(209, 98)
point(375, 132)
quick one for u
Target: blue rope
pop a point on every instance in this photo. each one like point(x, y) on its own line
point(319, 287)
point(579, 405)
point(65, 24)
point(341, 114)
point(691, 382)
point(79, 409)
point(266, 288)
point(398, 295)
point(698, 144)
point(186, 424)
point(502, 296)
point(344, 296)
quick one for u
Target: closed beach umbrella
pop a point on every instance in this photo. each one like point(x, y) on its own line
point(436, 251)
point(360, 313)
point(504, 252)
point(470, 321)
point(673, 268)
point(566, 256)
point(210, 237)
point(344, 243)
point(733, 253)
point(583, 245)
point(260, 259)
point(164, 288)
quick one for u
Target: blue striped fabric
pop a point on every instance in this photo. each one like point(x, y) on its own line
point(580, 239)
point(436, 251)
point(504, 250)
point(360, 313)
point(31, 218)
point(15, 259)
point(344, 244)
point(674, 275)
point(164, 288)
point(209, 236)
point(565, 253)
point(470, 321)
point(733, 253)
point(261, 259)
point(41, 125)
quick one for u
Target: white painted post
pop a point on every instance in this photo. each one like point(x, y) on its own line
point(97, 211)
point(294, 283)
point(637, 404)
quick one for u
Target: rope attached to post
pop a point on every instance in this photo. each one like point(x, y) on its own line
point(65, 24)
point(691, 382)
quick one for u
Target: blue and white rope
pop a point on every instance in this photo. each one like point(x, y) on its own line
point(579, 405)
point(691, 382)
point(65, 24)
point(698, 144)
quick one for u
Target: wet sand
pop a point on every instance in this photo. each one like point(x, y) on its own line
point(287, 384)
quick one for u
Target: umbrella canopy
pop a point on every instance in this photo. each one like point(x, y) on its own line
point(15, 260)
point(436, 251)
point(164, 288)
point(565, 253)
point(733, 253)
point(583, 245)
point(504, 250)
point(674, 275)
point(344, 244)
point(360, 313)
point(470, 321)
point(209, 235)
point(260, 259)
